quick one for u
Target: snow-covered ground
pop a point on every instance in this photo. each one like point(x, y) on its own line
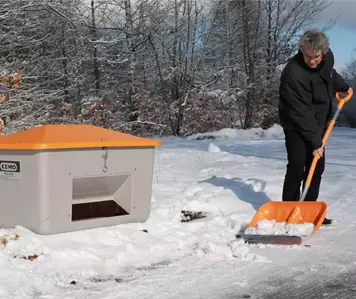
point(226, 179)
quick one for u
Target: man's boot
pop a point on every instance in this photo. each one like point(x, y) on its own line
point(327, 221)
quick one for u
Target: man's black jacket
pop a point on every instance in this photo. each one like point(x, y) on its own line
point(306, 97)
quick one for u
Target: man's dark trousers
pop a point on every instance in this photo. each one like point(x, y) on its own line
point(300, 157)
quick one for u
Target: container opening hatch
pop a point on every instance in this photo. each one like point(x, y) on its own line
point(101, 196)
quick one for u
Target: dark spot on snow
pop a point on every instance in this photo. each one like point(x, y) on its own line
point(29, 257)
point(145, 230)
point(206, 137)
point(246, 296)
point(106, 278)
point(73, 282)
point(154, 266)
point(129, 277)
point(188, 216)
point(98, 279)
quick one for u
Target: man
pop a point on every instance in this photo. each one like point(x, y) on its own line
point(307, 88)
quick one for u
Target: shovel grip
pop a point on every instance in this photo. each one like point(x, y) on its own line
point(348, 95)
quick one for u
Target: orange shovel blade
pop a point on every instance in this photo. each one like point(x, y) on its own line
point(291, 212)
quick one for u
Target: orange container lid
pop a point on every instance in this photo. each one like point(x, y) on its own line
point(71, 136)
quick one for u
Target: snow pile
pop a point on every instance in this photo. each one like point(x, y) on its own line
point(212, 148)
point(235, 249)
point(275, 131)
point(271, 227)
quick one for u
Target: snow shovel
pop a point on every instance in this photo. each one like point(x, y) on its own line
point(301, 212)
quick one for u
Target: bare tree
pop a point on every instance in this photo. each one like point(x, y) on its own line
point(266, 32)
point(149, 66)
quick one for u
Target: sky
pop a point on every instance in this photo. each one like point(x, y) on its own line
point(343, 34)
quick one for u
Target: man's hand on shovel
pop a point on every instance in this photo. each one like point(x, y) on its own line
point(319, 151)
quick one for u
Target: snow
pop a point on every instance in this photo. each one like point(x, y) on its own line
point(271, 227)
point(254, 133)
point(204, 195)
point(213, 148)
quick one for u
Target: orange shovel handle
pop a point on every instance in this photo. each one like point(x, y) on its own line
point(341, 102)
point(348, 95)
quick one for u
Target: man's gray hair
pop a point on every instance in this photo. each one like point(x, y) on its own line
point(315, 39)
